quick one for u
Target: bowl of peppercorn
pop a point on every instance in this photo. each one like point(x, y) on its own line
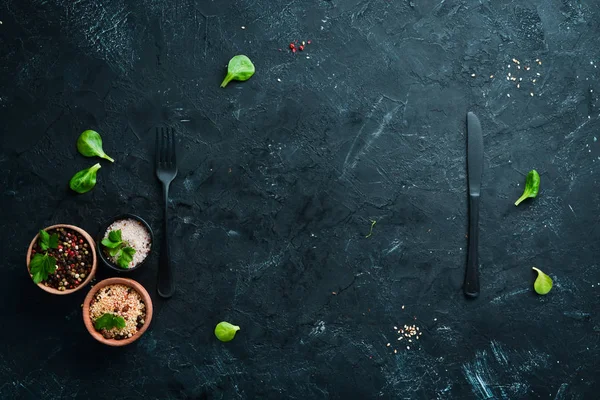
point(61, 259)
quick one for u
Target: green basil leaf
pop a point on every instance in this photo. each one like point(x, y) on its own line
point(126, 257)
point(53, 241)
point(109, 321)
point(109, 244)
point(41, 266)
point(44, 240)
point(115, 236)
point(115, 252)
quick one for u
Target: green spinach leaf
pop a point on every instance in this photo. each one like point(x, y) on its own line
point(225, 332)
point(543, 283)
point(84, 180)
point(90, 145)
point(240, 68)
point(532, 186)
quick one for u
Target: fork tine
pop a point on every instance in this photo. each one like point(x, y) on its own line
point(164, 145)
point(172, 150)
point(157, 146)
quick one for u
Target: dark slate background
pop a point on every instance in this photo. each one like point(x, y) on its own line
point(279, 180)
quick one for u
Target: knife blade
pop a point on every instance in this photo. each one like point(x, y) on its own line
point(475, 173)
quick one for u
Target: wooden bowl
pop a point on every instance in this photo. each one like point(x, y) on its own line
point(92, 247)
point(87, 320)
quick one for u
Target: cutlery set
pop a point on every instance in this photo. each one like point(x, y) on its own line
point(166, 171)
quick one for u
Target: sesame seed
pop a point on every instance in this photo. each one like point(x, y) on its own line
point(278, 80)
point(395, 351)
point(403, 307)
point(388, 345)
point(518, 85)
point(473, 75)
point(531, 94)
point(508, 94)
point(407, 347)
point(491, 76)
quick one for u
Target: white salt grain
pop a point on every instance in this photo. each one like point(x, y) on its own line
point(135, 235)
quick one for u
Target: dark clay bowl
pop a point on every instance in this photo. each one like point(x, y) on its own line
point(100, 249)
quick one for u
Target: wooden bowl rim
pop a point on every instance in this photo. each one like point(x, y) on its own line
point(112, 281)
point(92, 245)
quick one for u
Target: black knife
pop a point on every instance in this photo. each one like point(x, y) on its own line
point(475, 171)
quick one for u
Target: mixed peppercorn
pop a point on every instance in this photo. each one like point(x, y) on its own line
point(73, 260)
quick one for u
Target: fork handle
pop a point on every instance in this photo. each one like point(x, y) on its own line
point(165, 285)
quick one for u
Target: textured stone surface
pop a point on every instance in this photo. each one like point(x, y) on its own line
point(279, 180)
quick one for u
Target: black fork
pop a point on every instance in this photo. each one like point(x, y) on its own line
point(166, 170)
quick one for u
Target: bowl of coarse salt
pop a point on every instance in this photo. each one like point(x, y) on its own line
point(125, 242)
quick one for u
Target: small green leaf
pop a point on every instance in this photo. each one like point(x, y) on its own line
point(84, 180)
point(543, 283)
point(532, 186)
point(114, 252)
point(109, 321)
point(126, 257)
point(53, 242)
point(44, 240)
point(109, 244)
point(41, 266)
point(89, 144)
point(115, 236)
point(225, 332)
point(240, 68)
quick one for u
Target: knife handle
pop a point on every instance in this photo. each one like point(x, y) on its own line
point(471, 286)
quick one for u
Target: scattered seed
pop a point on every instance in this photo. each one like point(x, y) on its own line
point(472, 75)
point(395, 351)
point(243, 27)
point(388, 345)
point(531, 94)
point(407, 347)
